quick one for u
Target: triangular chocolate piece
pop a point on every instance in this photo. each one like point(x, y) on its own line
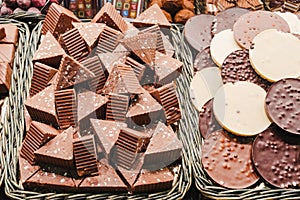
point(164, 148)
point(71, 72)
point(5, 78)
point(107, 133)
point(49, 51)
point(137, 67)
point(58, 151)
point(151, 16)
point(108, 40)
point(143, 46)
point(117, 107)
point(111, 59)
point(110, 16)
point(26, 169)
point(107, 181)
point(90, 32)
point(155, 29)
point(126, 83)
point(41, 106)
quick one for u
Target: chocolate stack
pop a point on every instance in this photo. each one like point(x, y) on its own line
point(103, 106)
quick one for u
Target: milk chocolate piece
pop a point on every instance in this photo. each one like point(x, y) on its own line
point(164, 148)
point(243, 4)
point(256, 4)
point(109, 60)
point(11, 32)
point(49, 51)
point(152, 16)
point(107, 133)
point(203, 60)
point(223, 5)
point(37, 135)
point(70, 73)
point(58, 151)
point(26, 169)
point(166, 68)
point(66, 109)
point(42, 74)
point(107, 180)
point(291, 5)
point(108, 40)
point(126, 83)
point(167, 97)
point(85, 156)
point(137, 67)
point(153, 181)
point(228, 161)
point(7, 53)
point(143, 46)
point(5, 77)
point(58, 20)
point(28, 119)
point(74, 44)
point(276, 159)
point(109, 15)
point(117, 107)
point(283, 103)
point(155, 29)
point(41, 106)
point(170, 50)
point(2, 33)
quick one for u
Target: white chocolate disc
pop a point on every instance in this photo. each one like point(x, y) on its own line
point(223, 44)
point(204, 85)
point(292, 20)
point(239, 108)
point(275, 55)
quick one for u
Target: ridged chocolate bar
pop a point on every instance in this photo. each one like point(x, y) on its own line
point(85, 156)
point(11, 34)
point(155, 29)
point(109, 15)
point(108, 40)
point(66, 108)
point(117, 107)
point(5, 77)
point(42, 74)
point(137, 67)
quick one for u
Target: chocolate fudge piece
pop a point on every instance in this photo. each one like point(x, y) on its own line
point(155, 29)
point(58, 20)
point(26, 169)
point(2, 33)
point(58, 151)
point(42, 74)
point(117, 107)
point(12, 34)
point(109, 60)
point(7, 53)
point(5, 77)
point(109, 15)
point(37, 135)
point(137, 67)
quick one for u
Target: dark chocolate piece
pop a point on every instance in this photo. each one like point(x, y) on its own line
point(58, 151)
point(138, 68)
point(26, 169)
point(58, 20)
point(7, 53)
point(2, 33)
point(42, 74)
point(108, 40)
point(203, 60)
point(117, 107)
point(276, 159)
point(5, 77)
point(12, 34)
point(228, 161)
point(283, 104)
point(37, 135)
point(160, 44)
point(85, 156)
point(109, 60)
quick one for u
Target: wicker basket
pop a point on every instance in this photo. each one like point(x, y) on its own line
point(9, 112)
point(15, 130)
point(31, 19)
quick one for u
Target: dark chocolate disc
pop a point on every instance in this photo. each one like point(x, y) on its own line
point(237, 67)
point(283, 104)
point(276, 160)
point(203, 60)
point(228, 161)
point(207, 121)
point(197, 31)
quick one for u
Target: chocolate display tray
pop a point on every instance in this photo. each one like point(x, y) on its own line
point(14, 131)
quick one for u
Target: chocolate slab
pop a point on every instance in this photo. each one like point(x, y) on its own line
point(283, 103)
point(11, 32)
point(58, 20)
point(5, 77)
point(117, 107)
point(137, 67)
point(58, 151)
point(41, 106)
point(26, 169)
point(2, 33)
point(41, 76)
point(7, 53)
point(85, 156)
point(199, 38)
point(155, 29)
point(227, 161)
point(109, 15)
point(207, 121)
point(49, 51)
point(37, 135)
point(237, 67)
point(276, 159)
point(108, 40)
point(111, 59)
point(203, 60)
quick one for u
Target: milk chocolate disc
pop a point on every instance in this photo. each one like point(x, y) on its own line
point(237, 67)
point(227, 161)
point(252, 23)
point(277, 160)
point(283, 104)
point(203, 60)
point(207, 121)
point(197, 31)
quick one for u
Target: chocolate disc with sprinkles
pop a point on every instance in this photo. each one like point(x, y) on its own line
point(276, 160)
point(228, 161)
point(203, 60)
point(283, 104)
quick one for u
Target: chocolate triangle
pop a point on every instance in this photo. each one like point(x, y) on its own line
point(109, 60)
point(107, 133)
point(58, 151)
point(108, 40)
point(143, 46)
point(117, 107)
point(49, 51)
point(151, 16)
point(41, 106)
point(90, 32)
point(26, 169)
point(160, 44)
point(71, 72)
